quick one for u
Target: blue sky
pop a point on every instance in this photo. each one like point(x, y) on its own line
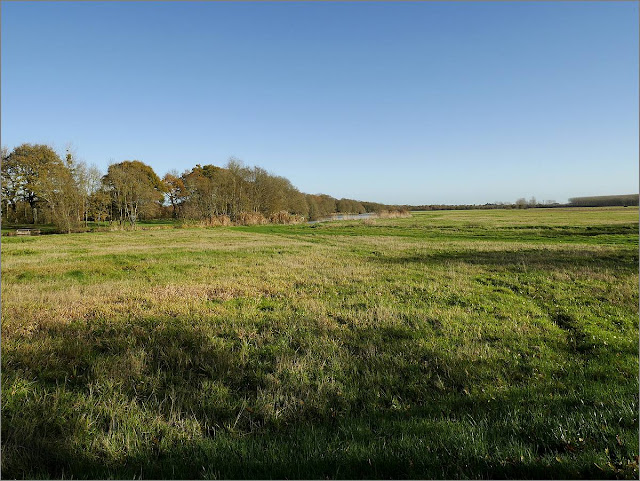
point(416, 102)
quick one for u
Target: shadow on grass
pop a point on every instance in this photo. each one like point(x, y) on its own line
point(174, 398)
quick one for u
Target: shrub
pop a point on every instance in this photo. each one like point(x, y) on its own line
point(284, 217)
point(394, 214)
point(251, 218)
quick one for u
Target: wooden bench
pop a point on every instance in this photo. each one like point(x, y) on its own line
point(27, 231)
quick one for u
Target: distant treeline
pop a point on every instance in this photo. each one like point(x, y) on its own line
point(38, 187)
point(605, 200)
point(522, 203)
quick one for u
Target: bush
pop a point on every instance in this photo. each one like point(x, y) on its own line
point(215, 221)
point(251, 218)
point(393, 214)
point(283, 217)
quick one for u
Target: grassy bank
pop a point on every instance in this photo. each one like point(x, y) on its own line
point(449, 344)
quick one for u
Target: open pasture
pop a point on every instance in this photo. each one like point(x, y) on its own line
point(452, 344)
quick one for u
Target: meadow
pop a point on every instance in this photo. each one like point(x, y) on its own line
point(451, 344)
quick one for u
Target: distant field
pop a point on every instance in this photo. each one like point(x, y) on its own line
point(452, 344)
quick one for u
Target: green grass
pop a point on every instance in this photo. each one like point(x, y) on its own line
point(457, 344)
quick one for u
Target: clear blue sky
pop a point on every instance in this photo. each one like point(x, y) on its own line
point(417, 102)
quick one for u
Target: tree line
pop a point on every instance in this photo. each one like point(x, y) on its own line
point(522, 203)
point(39, 187)
point(605, 200)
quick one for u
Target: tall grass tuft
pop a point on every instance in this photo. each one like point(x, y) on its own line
point(251, 218)
point(284, 217)
point(394, 214)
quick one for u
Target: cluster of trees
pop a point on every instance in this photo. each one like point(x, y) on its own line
point(39, 187)
point(207, 191)
point(521, 203)
point(605, 200)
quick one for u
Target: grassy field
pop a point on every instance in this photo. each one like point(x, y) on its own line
point(452, 344)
